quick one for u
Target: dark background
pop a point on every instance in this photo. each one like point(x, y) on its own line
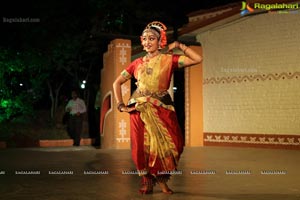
point(71, 37)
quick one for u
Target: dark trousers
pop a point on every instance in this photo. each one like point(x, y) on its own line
point(75, 128)
point(97, 128)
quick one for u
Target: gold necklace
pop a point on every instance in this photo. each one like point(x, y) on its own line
point(149, 69)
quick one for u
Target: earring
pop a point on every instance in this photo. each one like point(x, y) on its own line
point(159, 46)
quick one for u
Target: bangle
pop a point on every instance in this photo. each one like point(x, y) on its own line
point(120, 105)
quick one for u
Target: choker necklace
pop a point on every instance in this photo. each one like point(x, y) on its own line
point(149, 55)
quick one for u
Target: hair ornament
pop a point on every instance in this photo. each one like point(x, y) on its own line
point(156, 24)
point(160, 31)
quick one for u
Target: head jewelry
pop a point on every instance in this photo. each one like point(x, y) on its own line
point(158, 29)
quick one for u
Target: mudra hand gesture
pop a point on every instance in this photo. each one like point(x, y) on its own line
point(178, 45)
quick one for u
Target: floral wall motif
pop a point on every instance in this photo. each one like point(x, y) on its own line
point(115, 125)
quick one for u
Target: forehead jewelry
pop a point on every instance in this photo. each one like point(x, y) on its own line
point(147, 33)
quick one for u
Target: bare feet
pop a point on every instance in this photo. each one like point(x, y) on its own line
point(146, 189)
point(165, 189)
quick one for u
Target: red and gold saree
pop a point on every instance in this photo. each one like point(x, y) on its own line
point(156, 138)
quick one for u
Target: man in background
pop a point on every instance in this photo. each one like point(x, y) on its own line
point(76, 108)
point(97, 107)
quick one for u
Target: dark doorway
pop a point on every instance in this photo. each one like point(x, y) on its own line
point(179, 98)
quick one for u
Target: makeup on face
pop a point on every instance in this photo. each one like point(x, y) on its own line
point(149, 41)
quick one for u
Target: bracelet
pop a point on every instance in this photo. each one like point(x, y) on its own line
point(120, 105)
point(183, 46)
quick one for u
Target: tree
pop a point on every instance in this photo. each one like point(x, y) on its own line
point(19, 88)
point(65, 67)
point(60, 39)
point(64, 48)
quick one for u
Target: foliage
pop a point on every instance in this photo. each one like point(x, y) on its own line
point(46, 57)
point(20, 82)
point(51, 57)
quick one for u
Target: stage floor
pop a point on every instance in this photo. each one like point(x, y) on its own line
point(204, 173)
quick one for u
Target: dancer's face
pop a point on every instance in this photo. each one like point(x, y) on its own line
point(149, 41)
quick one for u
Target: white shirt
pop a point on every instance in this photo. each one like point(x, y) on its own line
point(76, 106)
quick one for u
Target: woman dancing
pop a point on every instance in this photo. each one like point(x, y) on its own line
point(156, 138)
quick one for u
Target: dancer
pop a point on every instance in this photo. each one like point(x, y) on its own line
point(156, 138)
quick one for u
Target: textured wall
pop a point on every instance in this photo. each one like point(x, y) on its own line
point(251, 80)
point(115, 125)
point(194, 103)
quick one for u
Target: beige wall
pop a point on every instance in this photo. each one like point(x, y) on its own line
point(116, 125)
point(194, 103)
point(251, 72)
